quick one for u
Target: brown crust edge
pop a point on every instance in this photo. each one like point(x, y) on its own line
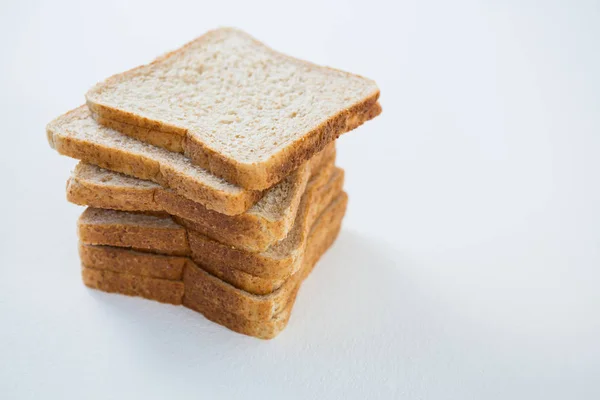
point(255, 176)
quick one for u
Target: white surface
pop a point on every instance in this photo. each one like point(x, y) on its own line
point(468, 270)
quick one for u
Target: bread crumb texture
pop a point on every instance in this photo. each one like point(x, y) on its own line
point(234, 94)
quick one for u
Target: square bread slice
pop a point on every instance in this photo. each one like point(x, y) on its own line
point(235, 107)
point(266, 222)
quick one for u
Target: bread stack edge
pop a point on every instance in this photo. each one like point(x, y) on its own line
point(209, 177)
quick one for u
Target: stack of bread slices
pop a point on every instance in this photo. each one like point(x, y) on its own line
point(210, 177)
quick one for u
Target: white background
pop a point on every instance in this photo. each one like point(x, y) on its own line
point(468, 265)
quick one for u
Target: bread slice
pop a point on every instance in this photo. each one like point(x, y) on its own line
point(76, 134)
point(236, 107)
point(201, 285)
point(254, 272)
point(268, 221)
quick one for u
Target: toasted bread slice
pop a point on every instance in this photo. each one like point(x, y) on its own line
point(265, 223)
point(236, 107)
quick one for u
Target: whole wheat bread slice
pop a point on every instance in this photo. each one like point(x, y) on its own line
point(235, 107)
point(201, 285)
point(254, 272)
point(268, 221)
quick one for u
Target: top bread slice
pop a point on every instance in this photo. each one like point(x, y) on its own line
point(236, 107)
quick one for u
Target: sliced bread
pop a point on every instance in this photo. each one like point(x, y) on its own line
point(268, 221)
point(236, 107)
point(201, 285)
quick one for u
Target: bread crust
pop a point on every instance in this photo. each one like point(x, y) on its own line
point(254, 176)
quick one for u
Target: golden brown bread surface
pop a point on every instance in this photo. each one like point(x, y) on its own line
point(292, 108)
point(266, 222)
